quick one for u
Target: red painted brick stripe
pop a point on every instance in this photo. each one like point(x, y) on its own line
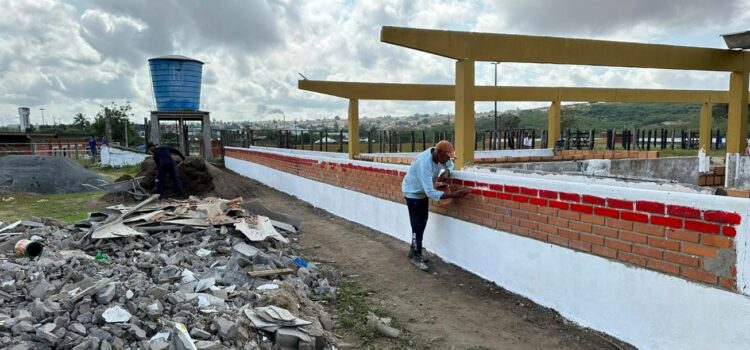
point(722, 217)
point(682, 211)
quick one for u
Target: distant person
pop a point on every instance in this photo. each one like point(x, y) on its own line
point(527, 142)
point(418, 188)
point(105, 140)
point(92, 146)
point(165, 164)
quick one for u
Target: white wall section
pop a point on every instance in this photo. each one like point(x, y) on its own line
point(650, 310)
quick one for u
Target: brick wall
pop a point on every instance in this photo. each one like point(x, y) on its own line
point(683, 241)
point(715, 177)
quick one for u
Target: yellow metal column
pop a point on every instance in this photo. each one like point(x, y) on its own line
point(553, 124)
point(705, 126)
point(737, 123)
point(464, 113)
point(353, 123)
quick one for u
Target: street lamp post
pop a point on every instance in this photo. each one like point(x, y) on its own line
point(493, 140)
point(495, 64)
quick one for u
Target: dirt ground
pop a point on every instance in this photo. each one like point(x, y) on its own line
point(452, 309)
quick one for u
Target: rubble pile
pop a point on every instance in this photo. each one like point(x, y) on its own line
point(192, 274)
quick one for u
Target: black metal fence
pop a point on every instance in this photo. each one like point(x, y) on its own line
point(393, 141)
point(660, 139)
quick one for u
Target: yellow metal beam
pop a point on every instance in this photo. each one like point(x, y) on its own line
point(432, 92)
point(538, 49)
point(464, 113)
point(705, 126)
point(379, 91)
point(553, 124)
point(353, 123)
point(737, 120)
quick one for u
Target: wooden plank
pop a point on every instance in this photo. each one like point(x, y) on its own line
point(266, 273)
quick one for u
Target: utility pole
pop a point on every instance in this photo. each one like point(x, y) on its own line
point(108, 126)
point(495, 63)
point(126, 133)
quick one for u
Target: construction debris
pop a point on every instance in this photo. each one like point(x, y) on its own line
point(201, 273)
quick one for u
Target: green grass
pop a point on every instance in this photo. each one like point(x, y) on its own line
point(67, 207)
point(352, 307)
point(109, 172)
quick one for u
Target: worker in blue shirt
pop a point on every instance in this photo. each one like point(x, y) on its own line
point(92, 146)
point(418, 188)
point(165, 164)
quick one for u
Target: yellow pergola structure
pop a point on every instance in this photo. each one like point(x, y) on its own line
point(355, 91)
point(467, 48)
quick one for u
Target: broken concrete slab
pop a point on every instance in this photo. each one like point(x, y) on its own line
point(116, 314)
point(262, 230)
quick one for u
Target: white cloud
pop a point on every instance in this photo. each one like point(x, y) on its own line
point(70, 58)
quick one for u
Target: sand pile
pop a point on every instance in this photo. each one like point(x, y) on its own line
point(198, 177)
point(44, 175)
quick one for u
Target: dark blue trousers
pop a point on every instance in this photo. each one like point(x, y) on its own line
point(161, 176)
point(418, 211)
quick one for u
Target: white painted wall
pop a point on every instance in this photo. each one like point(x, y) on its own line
point(646, 308)
point(116, 157)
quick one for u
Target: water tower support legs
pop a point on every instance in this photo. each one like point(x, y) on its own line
point(206, 133)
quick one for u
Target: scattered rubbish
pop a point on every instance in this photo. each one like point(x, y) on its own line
point(11, 226)
point(116, 314)
point(29, 248)
point(382, 325)
point(300, 262)
point(203, 253)
point(256, 206)
point(271, 318)
point(186, 264)
point(160, 336)
point(268, 286)
point(7, 199)
point(264, 229)
point(266, 273)
point(129, 186)
point(204, 284)
point(101, 257)
point(184, 341)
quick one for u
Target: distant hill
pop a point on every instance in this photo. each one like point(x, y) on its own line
point(584, 116)
point(602, 116)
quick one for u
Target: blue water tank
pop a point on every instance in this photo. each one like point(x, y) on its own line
point(177, 83)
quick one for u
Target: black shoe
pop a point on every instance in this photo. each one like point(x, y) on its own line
point(416, 261)
point(421, 257)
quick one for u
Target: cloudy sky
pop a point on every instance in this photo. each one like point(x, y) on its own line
point(71, 56)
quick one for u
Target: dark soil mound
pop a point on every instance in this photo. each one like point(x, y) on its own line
point(200, 177)
point(44, 175)
point(194, 174)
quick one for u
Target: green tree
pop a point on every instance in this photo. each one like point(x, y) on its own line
point(119, 117)
point(81, 122)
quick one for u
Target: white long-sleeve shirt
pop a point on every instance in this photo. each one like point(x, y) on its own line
point(422, 174)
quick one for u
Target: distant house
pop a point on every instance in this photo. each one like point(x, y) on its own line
point(72, 146)
point(297, 130)
point(328, 140)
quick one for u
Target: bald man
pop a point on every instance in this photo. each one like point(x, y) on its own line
point(418, 188)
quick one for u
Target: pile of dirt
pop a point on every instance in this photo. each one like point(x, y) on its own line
point(198, 177)
point(44, 175)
